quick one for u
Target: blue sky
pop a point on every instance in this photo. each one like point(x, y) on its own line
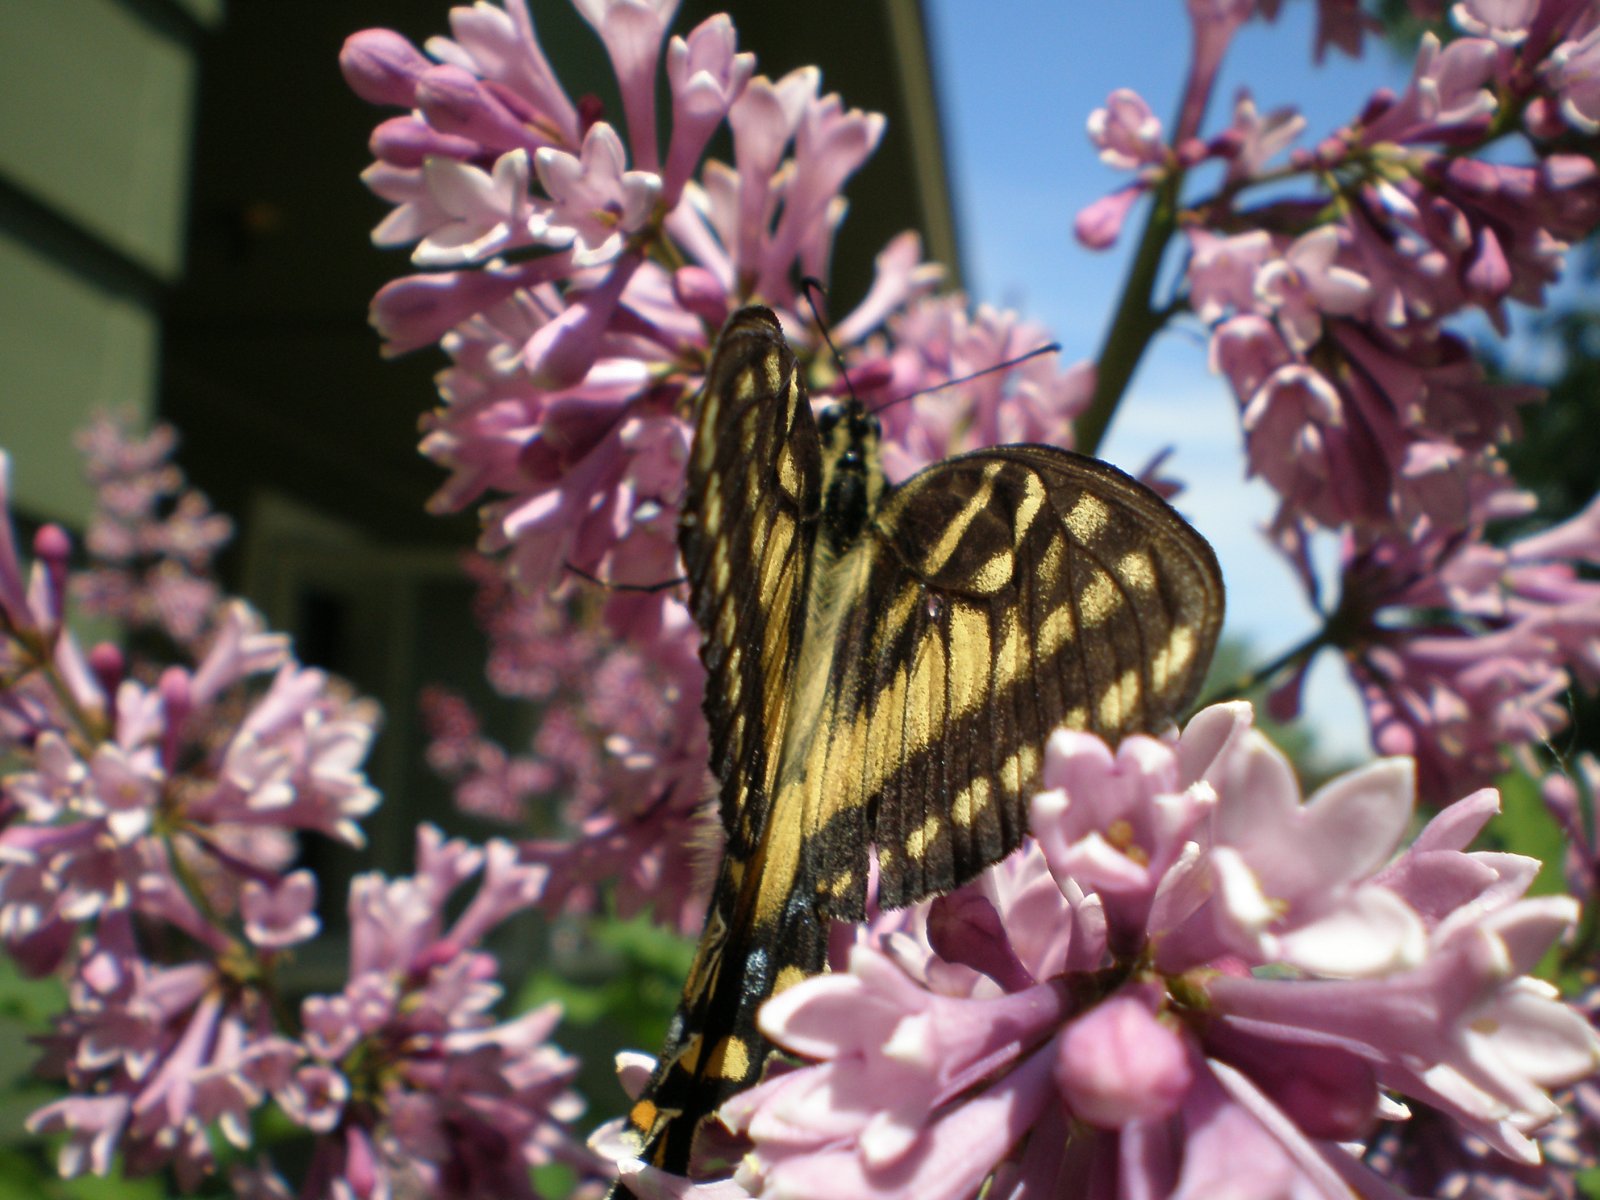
point(1020, 79)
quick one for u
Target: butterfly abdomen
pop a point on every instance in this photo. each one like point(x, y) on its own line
point(714, 1047)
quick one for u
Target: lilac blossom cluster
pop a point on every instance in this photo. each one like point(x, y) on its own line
point(1329, 312)
point(618, 757)
point(576, 272)
point(411, 1085)
point(1523, 625)
point(151, 538)
point(1188, 968)
point(150, 818)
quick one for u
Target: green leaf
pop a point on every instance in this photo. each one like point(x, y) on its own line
point(29, 1175)
point(1525, 826)
point(30, 1001)
point(554, 1179)
point(618, 983)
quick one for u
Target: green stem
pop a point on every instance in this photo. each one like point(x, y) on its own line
point(1580, 954)
point(1261, 675)
point(1134, 323)
point(37, 654)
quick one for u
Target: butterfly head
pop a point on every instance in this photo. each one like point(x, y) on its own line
point(852, 476)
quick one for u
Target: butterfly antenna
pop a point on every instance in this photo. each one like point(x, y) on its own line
point(1047, 348)
point(613, 586)
point(813, 289)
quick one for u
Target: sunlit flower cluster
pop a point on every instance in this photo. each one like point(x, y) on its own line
point(415, 1086)
point(150, 828)
point(614, 780)
point(1361, 409)
point(1464, 649)
point(1187, 969)
point(576, 276)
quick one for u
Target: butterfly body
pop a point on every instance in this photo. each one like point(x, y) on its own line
point(884, 665)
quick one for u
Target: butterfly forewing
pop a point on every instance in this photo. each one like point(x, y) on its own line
point(883, 670)
point(1056, 591)
point(750, 514)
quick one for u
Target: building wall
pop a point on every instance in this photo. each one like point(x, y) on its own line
point(96, 112)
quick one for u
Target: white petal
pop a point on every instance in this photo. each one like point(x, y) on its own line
point(1246, 906)
point(1355, 823)
point(1541, 1038)
point(1373, 932)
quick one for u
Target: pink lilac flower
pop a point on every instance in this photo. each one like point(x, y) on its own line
point(151, 539)
point(572, 356)
point(1430, 1156)
point(1213, 24)
point(1502, 230)
point(175, 786)
point(597, 204)
point(1254, 139)
point(1463, 650)
point(1358, 407)
point(153, 829)
point(280, 914)
point(1343, 25)
point(1222, 271)
point(1504, 21)
point(1401, 413)
point(156, 1056)
point(1098, 225)
point(405, 1073)
point(1448, 96)
point(939, 338)
point(633, 31)
point(1305, 282)
point(471, 213)
point(617, 763)
point(706, 75)
point(1189, 966)
point(535, 648)
point(488, 782)
point(149, 829)
point(16, 607)
point(1574, 73)
point(1339, 450)
point(1126, 132)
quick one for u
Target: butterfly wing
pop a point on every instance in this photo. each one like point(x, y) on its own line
point(749, 521)
point(993, 597)
point(747, 532)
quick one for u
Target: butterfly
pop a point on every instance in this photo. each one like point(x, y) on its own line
point(884, 665)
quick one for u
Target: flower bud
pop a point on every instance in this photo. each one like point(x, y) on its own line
point(1118, 1063)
